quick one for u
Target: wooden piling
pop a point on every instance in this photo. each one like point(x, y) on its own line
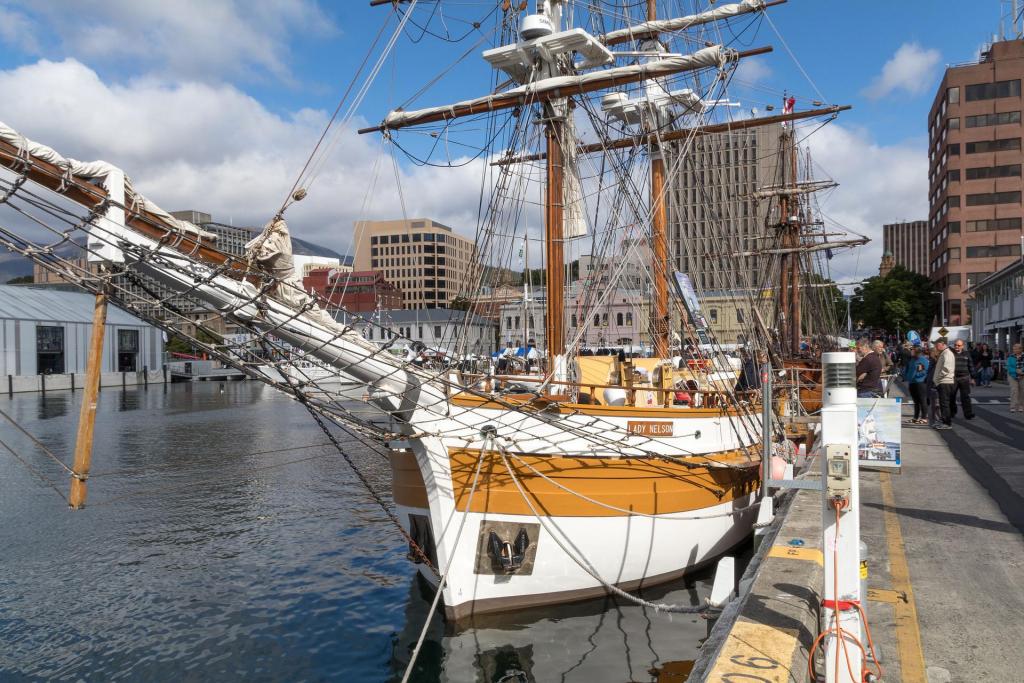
point(87, 416)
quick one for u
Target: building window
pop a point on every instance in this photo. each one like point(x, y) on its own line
point(517, 322)
point(713, 314)
point(127, 350)
point(629, 318)
point(573, 320)
point(49, 350)
point(416, 237)
point(437, 332)
point(994, 224)
point(618, 319)
point(975, 278)
point(1003, 145)
point(953, 95)
point(992, 91)
point(993, 251)
point(999, 119)
point(597, 320)
point(419, 331)
point(604, 320)
point(987, 198)
point(985, 172)
point(739, 315)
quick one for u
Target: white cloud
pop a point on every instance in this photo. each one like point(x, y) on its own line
point(750, 71)
point(878, 184)
point(909, 70)
point(190, 39)
point(17, 30)
point(213, 148)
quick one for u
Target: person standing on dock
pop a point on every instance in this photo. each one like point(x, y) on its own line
point(869, 372)
point(932, 389)
point(963, 375)
point(915, 373)
point(1015, 376)
point(945, 366)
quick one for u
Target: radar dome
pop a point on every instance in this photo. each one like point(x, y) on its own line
point(535, 26)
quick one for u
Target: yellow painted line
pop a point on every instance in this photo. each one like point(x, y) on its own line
point(755, 652)
point(885, 595)
point(908, 631)
point(791, 553)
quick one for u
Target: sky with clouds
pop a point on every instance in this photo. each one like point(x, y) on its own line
point(215, 104)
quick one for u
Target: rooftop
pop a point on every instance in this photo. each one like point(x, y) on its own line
point(25, 302)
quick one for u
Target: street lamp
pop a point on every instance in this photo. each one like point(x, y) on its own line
point(849, 321)
point(942, 306)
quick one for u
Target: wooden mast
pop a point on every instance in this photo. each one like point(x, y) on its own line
point(554, 237)
point(795, 260)
point(659, 237)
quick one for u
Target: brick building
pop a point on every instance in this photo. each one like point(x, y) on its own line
point(975, 160)
point(356, 291)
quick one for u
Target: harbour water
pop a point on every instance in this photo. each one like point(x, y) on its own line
point(223, 540)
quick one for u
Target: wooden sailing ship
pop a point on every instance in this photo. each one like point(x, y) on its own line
point(589, 478)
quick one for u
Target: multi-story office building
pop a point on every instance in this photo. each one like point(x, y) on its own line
point(907, 243)
point(427, 261)
point(712, 211)
point(975, 158)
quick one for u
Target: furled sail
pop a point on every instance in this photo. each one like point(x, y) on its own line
point(563, 86)
point(94, 170)
point(682, 23)
point(575, 216)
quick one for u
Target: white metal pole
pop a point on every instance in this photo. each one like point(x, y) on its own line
point(841, 535)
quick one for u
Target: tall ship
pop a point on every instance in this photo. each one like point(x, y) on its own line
point(568, 475)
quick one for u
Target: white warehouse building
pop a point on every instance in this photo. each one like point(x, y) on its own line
point(44, 341)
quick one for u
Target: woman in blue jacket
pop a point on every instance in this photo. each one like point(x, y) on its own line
point(915, 373)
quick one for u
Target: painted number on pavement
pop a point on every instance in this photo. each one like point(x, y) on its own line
point(755, 652)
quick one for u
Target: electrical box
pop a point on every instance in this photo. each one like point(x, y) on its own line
point(837, 483)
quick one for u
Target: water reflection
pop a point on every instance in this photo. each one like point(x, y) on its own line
point(597, 640)
point(207, 552)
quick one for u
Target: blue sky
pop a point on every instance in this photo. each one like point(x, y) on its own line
point(190, 95)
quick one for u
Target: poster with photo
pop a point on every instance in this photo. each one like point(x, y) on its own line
point(879, 432)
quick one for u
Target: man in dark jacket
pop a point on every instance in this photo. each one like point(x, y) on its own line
point(869, 372)
point(962, 374)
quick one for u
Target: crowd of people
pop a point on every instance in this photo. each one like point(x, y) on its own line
point(939, 376)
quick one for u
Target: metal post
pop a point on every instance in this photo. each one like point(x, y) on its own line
point(766, 426)
point(841, 531)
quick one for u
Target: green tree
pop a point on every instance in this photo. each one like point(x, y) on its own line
point(22, 280)
point(901, 299)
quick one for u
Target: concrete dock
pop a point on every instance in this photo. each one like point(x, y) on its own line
point(945, 563)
